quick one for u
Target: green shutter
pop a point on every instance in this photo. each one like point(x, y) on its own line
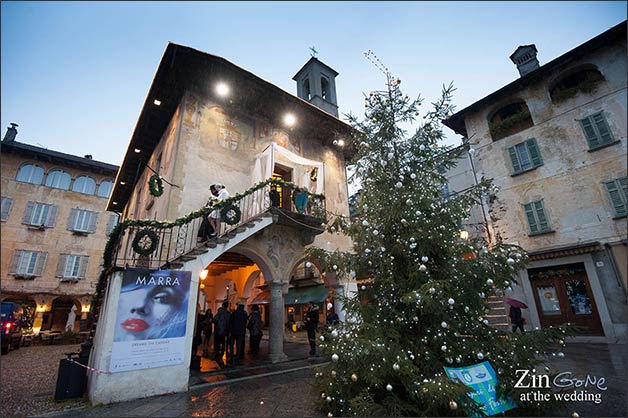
point(540, 214)
point(617, 195)
point(590, 133)
point(514, 159)
point(602, 127)
point(531, 219)
point(535, 154)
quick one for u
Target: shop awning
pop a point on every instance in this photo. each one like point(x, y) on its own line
point(301, 295)
point(261, 299)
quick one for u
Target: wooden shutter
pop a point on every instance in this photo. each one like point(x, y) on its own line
point(514, 159)
point(28, 213)
point(615, 193)
point(540, 215)
point(7, 204)
point(15, 261)
point(113, 221)
point(63, 261)
point(93, 221)
point(534, 228)
point(41, 263)
point(51, 219)
point(83, 266)
point(72, 219)
point(602, 127)
point(535, 154)
point(589, 133)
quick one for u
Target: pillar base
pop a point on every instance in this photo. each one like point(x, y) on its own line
point(278, 358)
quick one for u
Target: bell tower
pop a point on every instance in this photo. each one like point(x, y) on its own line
point(316, 83)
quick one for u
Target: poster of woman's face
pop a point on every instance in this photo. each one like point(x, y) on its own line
point(153, 305)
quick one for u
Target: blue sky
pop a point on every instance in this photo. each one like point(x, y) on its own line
point(75, 74)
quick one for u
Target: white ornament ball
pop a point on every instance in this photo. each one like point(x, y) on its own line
point(308, 264)
point(261, 402)
point(561, 354)
point(480, 356)
point(490, 282)
point(389, 387)
point(451, 301)
point(354, 377)
point(510, 261)
point(424, 259)
point(413, 176)
point(399, 185)
point(328, 399)
point(334, 357)
point(422, 268)
point(333, 373)
point(375, 232)
point(367, 251)
point(396, 367)
point(485, 322)
point(409, 202)
point(363, 287)
point(444, 348)
point(329, 305)
point(432, 290)
point(329, 414)
point(453, 405)
point(365, 223)
point(575, 415)
point(322, 338)
point(334, 333)
point(443, 324)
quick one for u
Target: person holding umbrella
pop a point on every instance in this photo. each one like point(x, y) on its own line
point(515, 314)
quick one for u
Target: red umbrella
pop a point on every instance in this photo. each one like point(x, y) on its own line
point(515, 303)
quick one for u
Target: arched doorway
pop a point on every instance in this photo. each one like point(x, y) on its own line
point(63, 309)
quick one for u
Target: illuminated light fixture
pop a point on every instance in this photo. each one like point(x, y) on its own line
point(464, 234)
point(85, 308)
point(137, 150)
point(41, 308)
point(114, 203)
point(222, 89)
point(341, 143)
point(203, 274)
point(289, 119)
point(157, 102)
point(202, 286)
point(123, 183)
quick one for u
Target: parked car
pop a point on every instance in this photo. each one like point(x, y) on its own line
point(11, 334)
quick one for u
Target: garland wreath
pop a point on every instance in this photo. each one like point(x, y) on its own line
point(145, 242)
point(231, 214)
point(156, 185)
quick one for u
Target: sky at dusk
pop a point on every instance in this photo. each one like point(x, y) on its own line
point(75, 74)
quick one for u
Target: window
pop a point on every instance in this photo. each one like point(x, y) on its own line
point(7, 204)
point(525, 156)
point(30, 173)
point(104, 189)
point(84, 184)
point(58, 179)
point(113, 221)
point(39, 214)
point(584, 80)
point(537, 218)
point(307, 93)
point(509, 120)
point(72, 266)
point(596, 131)
point(324, 88)
point(82, 220)
point(617, 192)
point(27, 263)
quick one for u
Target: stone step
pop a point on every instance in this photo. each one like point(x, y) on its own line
point(186, 258)
point(198, 251)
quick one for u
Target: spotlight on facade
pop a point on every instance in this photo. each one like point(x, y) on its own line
point(137, 150)
point(85, 308)
point(157, 102)
point(289, 119)
point(222, 89)
point(203, 274)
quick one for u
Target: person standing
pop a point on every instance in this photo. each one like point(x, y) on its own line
point(311, 324)
point(238, 331)
point(275, 198)
point(255, 329)
point(221, 193)
point(516, 319)
point(221, 330)
point(207, 331)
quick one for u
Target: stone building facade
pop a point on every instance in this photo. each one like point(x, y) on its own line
point(554, 141)
point(54, 228)
point(206, 121)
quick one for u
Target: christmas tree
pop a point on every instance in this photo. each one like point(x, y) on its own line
point(425, 305)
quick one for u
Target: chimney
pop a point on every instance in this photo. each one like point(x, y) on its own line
point(11, 133)
point(524, 58)
point(88, 156)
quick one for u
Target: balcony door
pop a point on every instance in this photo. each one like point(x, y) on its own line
point(284, 173)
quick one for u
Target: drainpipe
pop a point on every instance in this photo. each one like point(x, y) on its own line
point(611, 257)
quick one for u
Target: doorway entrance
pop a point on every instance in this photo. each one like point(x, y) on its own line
point(563, 294)
point(284, 173)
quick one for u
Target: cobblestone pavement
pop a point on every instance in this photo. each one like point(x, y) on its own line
point(29, 377)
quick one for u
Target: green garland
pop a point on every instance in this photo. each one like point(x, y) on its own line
point(231, 214)
point(156, 185)
point(139, 242)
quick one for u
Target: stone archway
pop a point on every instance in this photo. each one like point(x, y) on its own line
point(62, 309)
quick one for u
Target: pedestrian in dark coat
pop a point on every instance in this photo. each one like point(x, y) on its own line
point(237, 328)
point(311, 325)
point(516, 319)
point(221, 330)
point(255, 329)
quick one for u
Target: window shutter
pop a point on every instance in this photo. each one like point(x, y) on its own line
point(15, 261)
point(113, 221)
point(602, 128)
point(589, 133)
point(28, 213)
point(540, 215)
point(72, 220)
point(41, 263)
point(514, 159)
point(63, 260)
point(535, 154)
point(7, 204)
point(614, 192)
point(51, 219)
point(83, 266)
point(93, 221)
point(531, 219)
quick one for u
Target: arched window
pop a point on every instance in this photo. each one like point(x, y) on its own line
point(324, 88)
point(30, 173)
point(104, 189)
point(509, 120)
point(84, 184)
point(307, 93)
point(584, 79)
point(58, 179)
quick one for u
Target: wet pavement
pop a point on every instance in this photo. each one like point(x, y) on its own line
point(259, 388)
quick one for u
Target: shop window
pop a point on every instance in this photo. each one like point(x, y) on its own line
point(617, 192)
point(58, 179)
point(525, 156)
point(509, 120)
point(30, 173)
point(538, 220)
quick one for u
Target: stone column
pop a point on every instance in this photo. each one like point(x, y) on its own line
point(276, 325)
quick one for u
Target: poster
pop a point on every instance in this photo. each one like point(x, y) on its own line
point(482, 379)
point(151, 319)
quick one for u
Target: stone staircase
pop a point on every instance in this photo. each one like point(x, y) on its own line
point(498, 312)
